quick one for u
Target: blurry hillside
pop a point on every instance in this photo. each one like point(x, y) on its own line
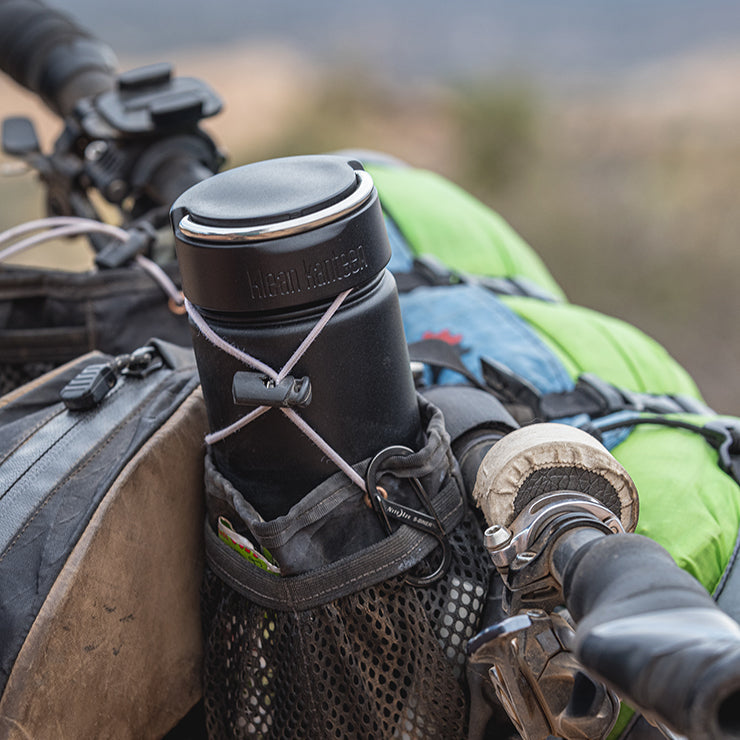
point(628, 192)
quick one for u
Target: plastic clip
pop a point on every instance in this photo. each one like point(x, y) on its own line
point(727, 445)
point(387, 510)
point(256, 389)
point(509, 387)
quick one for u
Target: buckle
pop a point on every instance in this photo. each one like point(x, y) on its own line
point(510, 388)
point(726, 440)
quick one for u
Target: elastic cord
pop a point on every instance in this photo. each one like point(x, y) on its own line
point(63, 226)
point(709, 434)
point(224, 346)
point(253, 362)
point(55, 226)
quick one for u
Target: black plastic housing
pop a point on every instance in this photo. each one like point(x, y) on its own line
point(265, 295)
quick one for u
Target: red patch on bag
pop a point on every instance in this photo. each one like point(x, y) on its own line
point(445, 336)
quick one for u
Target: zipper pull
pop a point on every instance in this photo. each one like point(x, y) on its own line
point(89, 387)
point(93, 383)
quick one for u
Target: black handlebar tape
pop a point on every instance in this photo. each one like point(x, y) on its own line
point(48, 53)
point(651, 631)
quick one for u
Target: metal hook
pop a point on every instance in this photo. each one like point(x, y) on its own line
point(386, 509)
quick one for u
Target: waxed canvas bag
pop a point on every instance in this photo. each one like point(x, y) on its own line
point(100, 549)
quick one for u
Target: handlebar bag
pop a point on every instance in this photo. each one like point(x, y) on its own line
point(48, 317)
point(100, 553)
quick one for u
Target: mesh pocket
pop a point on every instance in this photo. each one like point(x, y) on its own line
point(387, 661)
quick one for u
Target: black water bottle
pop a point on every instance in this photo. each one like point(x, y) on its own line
point(264, 249)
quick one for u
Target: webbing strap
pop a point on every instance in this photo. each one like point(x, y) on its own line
point(438, 354)
point(595, 397)
point(466, 409)
point(426, 270)
point(591, 395)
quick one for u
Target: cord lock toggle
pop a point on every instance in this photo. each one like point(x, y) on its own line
point(257, 389)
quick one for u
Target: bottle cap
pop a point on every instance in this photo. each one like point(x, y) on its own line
point(279, 234)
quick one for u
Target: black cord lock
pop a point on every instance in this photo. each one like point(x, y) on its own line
point(257, 389)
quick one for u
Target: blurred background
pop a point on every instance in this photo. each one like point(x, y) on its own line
point(605, 133)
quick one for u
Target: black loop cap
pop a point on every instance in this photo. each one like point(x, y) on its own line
point(279, 234)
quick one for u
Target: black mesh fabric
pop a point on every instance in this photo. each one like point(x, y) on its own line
point(14, 375)
point(49, 317)
point(387, 661)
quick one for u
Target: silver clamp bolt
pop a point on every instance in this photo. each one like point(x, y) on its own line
point(497, 536)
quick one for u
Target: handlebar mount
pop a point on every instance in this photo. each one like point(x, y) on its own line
point(134, 138)
point(539, 681)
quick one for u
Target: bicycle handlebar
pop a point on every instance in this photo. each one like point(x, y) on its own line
point(649, 630)
point(158, 150)
point(45, 51)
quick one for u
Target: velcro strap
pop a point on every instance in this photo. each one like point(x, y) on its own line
point(439, 354)
point(465, 408)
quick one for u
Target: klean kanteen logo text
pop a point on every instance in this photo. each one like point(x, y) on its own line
point(335, 268)
point(312, 274)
